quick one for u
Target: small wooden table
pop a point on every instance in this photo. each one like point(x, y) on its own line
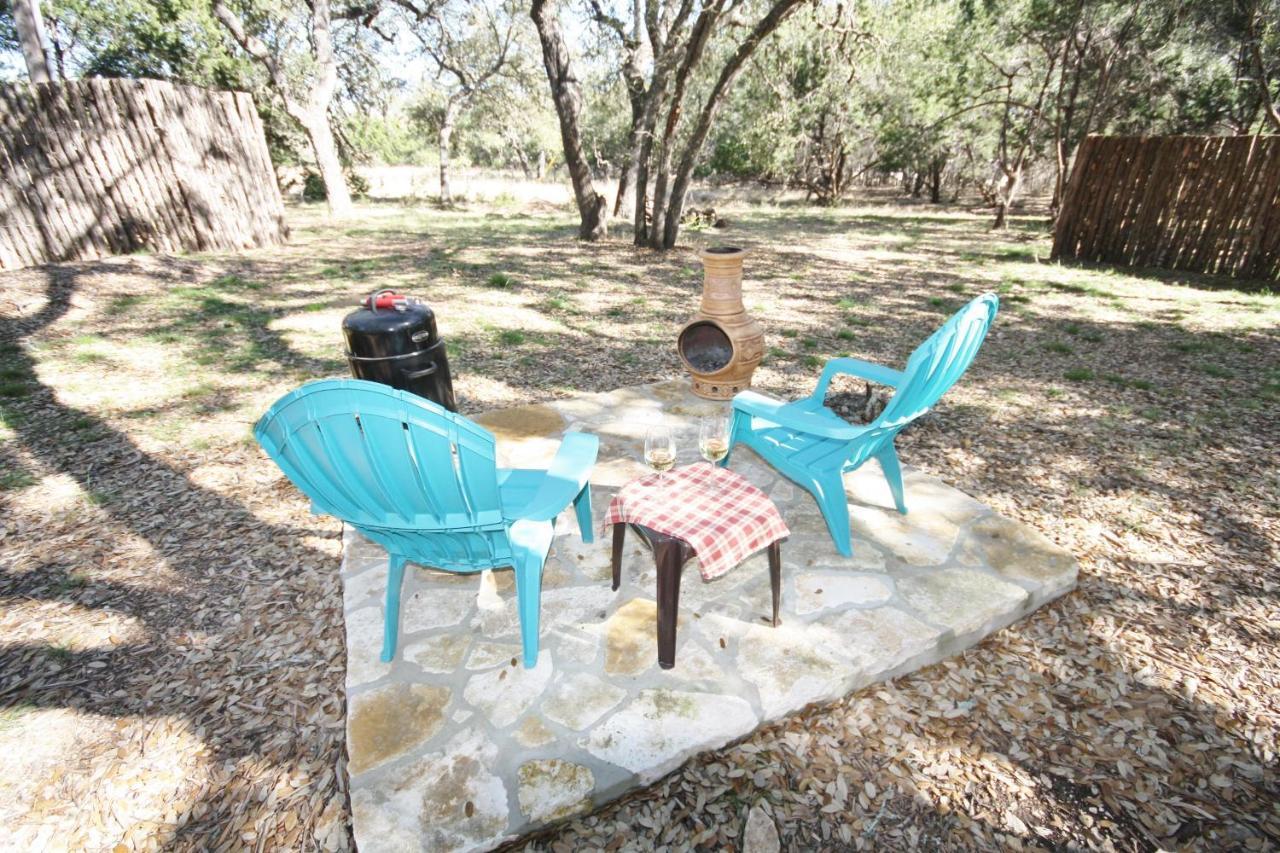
point(669, 556)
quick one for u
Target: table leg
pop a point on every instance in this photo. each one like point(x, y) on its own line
point(619, 534)
point(775, 577)
point(669, 560)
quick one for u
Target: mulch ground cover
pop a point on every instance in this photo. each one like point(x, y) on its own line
point(171, 649)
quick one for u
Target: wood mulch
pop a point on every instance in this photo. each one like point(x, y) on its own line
point(172, 658)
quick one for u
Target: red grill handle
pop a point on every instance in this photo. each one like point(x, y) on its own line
point(386, 299)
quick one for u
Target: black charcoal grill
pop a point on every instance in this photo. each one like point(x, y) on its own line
point(393, 340)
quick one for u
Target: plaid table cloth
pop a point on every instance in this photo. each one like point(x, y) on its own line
point(721, 515)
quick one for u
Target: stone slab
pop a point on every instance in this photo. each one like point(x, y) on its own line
point(454, 746)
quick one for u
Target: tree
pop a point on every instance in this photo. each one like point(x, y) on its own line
point(566, 92)
point(303, 78)
point(636, 54)
point(657, 155)
point(471, 45)
point(30, 32)
point(664, 149)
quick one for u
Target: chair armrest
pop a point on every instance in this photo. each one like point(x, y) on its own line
point(569, 473)
point(753, 403)
point(856, 367)
point(791, 416)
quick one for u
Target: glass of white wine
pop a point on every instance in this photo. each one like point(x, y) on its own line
point(713, 438)
point(659, 449)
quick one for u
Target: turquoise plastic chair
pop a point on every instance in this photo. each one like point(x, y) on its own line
point(813, 446)
point(423, 483)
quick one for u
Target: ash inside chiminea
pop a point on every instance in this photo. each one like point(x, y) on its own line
point(705, 347)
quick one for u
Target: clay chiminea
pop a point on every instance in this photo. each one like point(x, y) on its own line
point(721, 346)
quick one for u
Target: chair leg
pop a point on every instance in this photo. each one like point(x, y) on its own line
point(775, 577)
point(829, 493)
point(391, 620)
point(582, 506)
point(888, 459)
point(619, 537)
point(529, 602)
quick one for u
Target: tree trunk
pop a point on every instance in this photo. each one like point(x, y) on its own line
point(935, 179)
point(451, 110)
point(627, 177)
point(689, 157)
point(1264, 84)
point(522, 156)
point(30, 27)
point(567, 96)
point(1006, 192)
point(320, 134)
point(312, 110)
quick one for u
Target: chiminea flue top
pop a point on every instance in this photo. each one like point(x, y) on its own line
point(721, 346)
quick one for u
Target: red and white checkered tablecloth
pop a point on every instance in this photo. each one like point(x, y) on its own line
point(719, 513)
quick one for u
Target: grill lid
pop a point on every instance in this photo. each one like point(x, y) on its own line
point(390, 324)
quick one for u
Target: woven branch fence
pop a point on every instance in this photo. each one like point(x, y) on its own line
point(99, 167)
point(1203, 203)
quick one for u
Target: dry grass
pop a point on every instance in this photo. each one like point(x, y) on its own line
point(172, 649)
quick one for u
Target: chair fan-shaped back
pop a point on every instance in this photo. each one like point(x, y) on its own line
point(381, 458)
point(937, 363)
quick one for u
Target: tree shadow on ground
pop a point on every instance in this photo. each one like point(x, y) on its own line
point(214, 546)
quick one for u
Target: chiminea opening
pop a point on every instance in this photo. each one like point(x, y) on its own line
point(705, 347)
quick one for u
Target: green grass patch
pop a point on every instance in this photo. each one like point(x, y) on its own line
point(812, 361)
point(809, 343)
point(16, 478)
point(1078, 374)
point(845, 335)
point(1059, 347)
point(511, 337)
point(123, 304)
point(72, 581)
point(1015, 254)
point(1217, 371)
point(1063, 287)
point(501, 281)
point(9, 388)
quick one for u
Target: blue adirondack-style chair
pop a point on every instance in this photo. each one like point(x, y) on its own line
point(814, 447)
point(423, 482)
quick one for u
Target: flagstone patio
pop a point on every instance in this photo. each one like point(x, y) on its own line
point(454, 746)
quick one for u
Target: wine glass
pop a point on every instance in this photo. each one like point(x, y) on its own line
point(713, 438)
point(659, 449)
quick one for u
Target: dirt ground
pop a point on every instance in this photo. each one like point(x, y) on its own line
point(171, 653)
